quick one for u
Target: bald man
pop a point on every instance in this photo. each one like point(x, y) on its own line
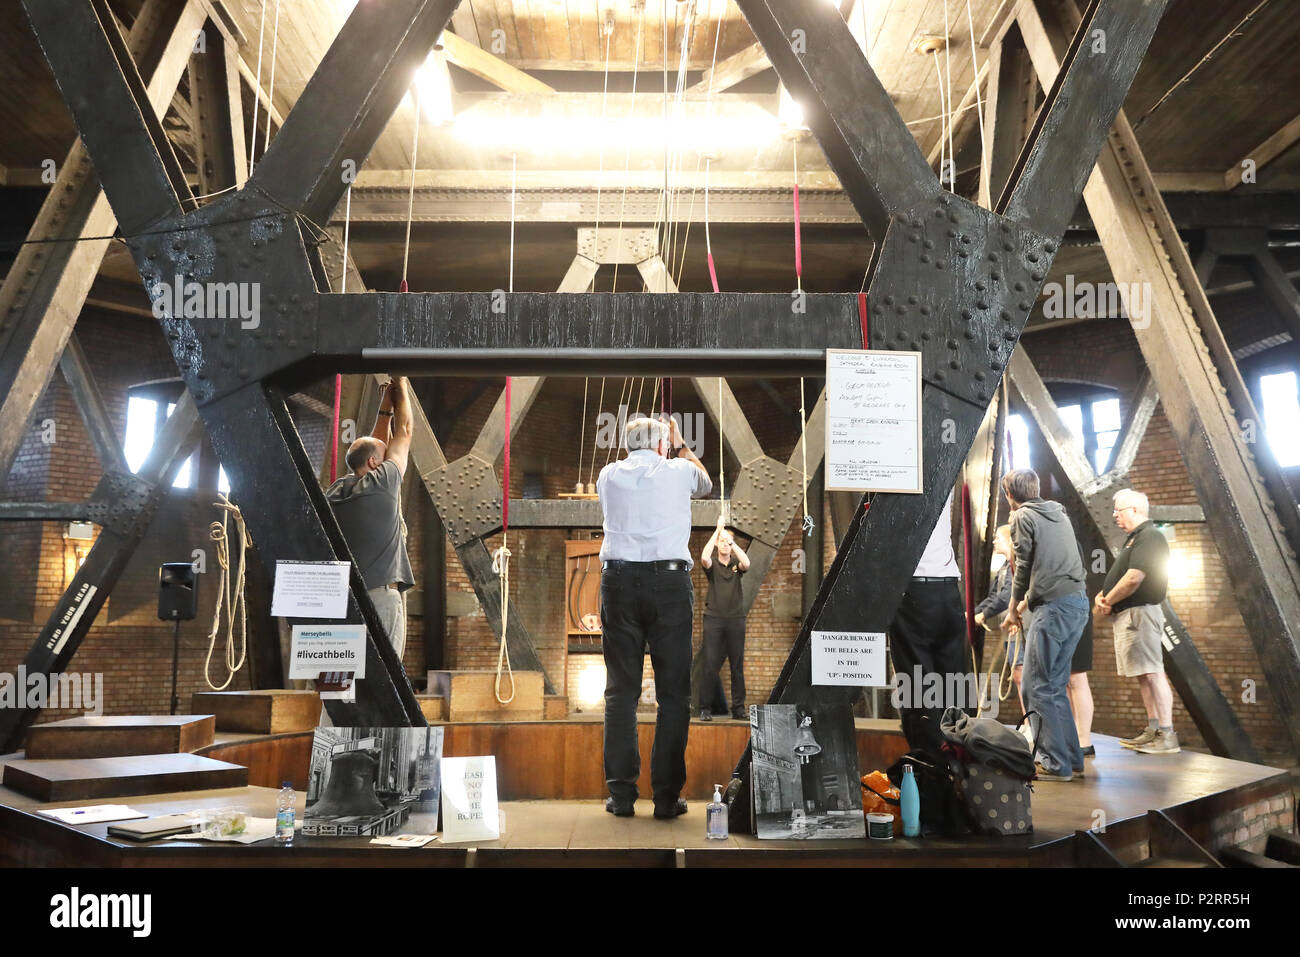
point(1133, 596)
point(368, 505)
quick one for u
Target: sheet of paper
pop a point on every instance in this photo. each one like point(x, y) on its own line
point(873, 421)
point(310, 590)
point(469, 800)
point(849, 658)
point(405, 840)
point(98, 814)
point(319, 648)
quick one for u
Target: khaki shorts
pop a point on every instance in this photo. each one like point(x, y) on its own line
point(1138, 635)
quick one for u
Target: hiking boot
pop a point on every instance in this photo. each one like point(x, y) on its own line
point(1146, 737)
point(1164, 742)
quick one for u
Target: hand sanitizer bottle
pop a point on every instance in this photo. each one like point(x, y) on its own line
point(716, 819)
point(910, 799)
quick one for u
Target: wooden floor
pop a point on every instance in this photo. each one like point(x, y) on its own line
point(1120, 784)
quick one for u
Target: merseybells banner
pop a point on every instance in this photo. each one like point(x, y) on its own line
point(318, 648)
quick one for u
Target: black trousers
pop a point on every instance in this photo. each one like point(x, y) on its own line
point(642, 608)
point(929, 630)
point(723, 638)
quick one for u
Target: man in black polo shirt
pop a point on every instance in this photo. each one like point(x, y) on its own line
point(1132, 594)
point(724, 621)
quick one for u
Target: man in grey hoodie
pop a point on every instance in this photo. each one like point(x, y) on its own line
point(1049, 577)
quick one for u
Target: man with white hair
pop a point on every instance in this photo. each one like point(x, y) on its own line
point(647, 602)
point(368, 505)
point(1134, 590)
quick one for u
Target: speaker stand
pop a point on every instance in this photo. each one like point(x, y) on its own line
point(176, 657)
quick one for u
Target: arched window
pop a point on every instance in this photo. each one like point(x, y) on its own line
point(1090, 412)
point(148, 406)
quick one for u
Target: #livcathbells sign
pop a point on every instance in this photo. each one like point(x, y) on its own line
point(848, 658)
point(319, 648)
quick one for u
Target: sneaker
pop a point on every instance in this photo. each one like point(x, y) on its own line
point(619, 808)
point(1146, 737)
point(1046, 775)
point(1089, 751)
point(706, 716)
point(1164, 742)
point(667, 811)
point(740, 715)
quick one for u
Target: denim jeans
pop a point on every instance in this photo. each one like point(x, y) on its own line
point(1053, 632)
point(643, 608)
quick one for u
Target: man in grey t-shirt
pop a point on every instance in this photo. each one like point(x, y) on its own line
point(368, 506)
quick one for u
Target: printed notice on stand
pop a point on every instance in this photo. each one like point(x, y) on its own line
point(320, 648)
point(310, 590)
point(469, 800)
point(849, 658)
point(873, 421)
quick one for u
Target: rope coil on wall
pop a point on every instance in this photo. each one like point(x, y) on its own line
point(230, 599)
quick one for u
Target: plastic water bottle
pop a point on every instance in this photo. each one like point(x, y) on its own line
point(716, 816)
point(284, 812)
point(910, 798)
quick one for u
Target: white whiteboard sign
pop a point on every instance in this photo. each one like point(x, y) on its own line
point(849, 658)
point(469, 800)
point(310, 590)
point(873, 421)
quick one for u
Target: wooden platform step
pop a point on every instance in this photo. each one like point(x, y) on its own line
point(471, 695)
point(108, 736)
point(274, 711)
point(555, 707)
point(76, 779)
point(434, 706)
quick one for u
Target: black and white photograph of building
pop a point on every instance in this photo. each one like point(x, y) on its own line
point(806, 778)
point(373, 781)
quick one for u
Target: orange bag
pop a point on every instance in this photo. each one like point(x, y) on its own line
point(881, 797)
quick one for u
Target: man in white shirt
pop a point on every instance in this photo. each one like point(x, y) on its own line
point(647, 601)
point(929, 634)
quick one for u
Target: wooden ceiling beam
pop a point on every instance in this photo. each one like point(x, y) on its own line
point(474, 59)
point(1264, 153)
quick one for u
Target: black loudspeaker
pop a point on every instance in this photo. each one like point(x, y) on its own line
point(178, 592)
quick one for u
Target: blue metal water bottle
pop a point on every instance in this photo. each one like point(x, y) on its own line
point(910, 798)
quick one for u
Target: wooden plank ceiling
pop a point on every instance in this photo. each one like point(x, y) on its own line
point(1219, 79)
